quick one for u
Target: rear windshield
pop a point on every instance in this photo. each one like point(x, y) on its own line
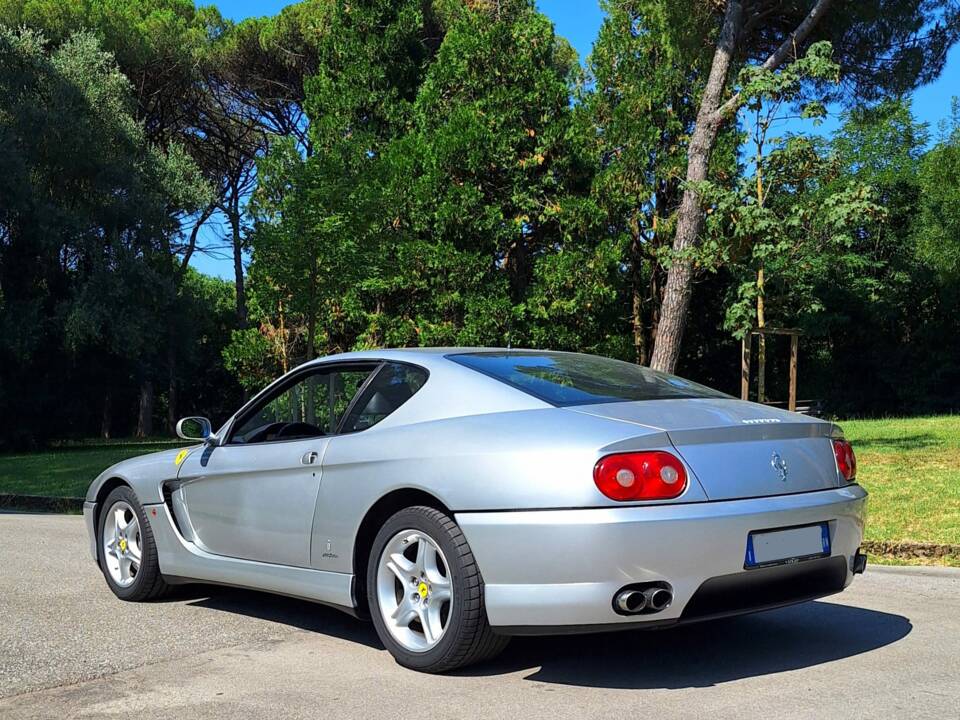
point(565, 379)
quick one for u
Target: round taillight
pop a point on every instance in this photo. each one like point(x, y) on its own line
point(846, 459)
point(652, 475)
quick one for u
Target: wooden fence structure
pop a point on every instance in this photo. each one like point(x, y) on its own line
point(762, 333)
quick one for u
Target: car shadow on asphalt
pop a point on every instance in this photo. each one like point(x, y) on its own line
point(301, 614)
point(703, 654)
point(689, 656)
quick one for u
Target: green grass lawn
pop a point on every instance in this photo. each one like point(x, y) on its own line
point(910, 466)
point(67, 469)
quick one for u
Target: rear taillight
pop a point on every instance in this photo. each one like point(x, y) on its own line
point(654, 475)
point(846, 460)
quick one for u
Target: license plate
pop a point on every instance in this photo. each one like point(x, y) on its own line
point(777, 547)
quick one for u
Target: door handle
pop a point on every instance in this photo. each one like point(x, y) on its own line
point(309, 458)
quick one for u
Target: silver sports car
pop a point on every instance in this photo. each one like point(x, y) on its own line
point(460, 496)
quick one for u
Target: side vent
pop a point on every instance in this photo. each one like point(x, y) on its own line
point(168, 489)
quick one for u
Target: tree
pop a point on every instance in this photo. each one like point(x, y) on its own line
point(781, 228)
point(314, 222)
point(764, 37)
point(266, 62)
point(227, 144)
point(646, 75)
point(157, 44)
point(447, 199)
point(501, 171)
point(86, 198)
point(938, 222)
point(253, 88)
point(888, 336)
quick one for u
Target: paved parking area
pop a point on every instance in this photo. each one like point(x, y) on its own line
point(888, 647)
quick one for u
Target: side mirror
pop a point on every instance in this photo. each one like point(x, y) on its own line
point(194, 428)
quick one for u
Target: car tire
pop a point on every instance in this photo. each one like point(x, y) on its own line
point(466, 636)
point(129, 579)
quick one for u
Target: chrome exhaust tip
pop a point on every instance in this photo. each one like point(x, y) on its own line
point(658, 598)
point(643, 598)
point(631, 601)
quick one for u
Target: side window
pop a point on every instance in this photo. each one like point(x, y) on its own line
point(311, 407)
point(393, 385)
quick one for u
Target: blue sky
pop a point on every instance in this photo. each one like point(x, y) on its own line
point(579, 21)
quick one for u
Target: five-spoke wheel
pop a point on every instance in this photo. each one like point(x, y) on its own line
point(121, 543)
point(414, 590)
point(425, 593)
point(126, 550)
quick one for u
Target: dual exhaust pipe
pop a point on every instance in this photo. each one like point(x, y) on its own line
point(637, 600)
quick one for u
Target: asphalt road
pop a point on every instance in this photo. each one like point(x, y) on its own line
point(889, 647)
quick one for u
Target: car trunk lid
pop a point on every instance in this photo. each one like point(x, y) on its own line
point(737, 449)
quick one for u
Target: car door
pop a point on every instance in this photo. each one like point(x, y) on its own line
point(253, 496)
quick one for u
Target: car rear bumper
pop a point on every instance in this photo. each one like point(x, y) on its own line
point(550, 570)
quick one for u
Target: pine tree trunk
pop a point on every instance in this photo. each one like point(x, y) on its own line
point(238, 264)
point(106, 417)
point(311, 331)
point(762, 347)
point(640, 349)
point(145, 414)
point(172, 399)
point(312, 319)
point(676, 293)
point(639, 336)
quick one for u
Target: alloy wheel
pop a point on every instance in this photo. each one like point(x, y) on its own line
point(415, 590)
point(122, 551)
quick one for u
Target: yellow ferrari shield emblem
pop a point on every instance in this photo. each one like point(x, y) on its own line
point(123, 544)
point(422, 589)
point(181, 455)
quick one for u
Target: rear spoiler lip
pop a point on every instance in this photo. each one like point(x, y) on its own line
point(774, 430)
point(739, 433)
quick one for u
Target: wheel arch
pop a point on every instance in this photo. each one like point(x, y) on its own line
point(373, 520)
point(106, 487)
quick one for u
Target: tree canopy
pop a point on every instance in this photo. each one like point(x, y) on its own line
point(448, 172)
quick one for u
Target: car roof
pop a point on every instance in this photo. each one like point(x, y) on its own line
point(426, 356)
